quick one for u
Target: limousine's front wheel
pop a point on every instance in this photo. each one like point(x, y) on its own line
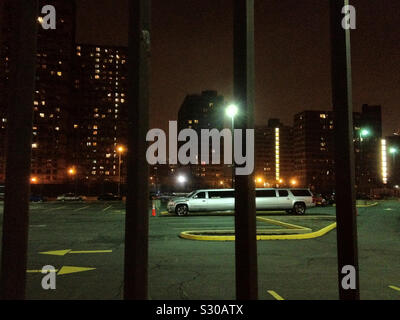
point(299, 208)
point(181, 210)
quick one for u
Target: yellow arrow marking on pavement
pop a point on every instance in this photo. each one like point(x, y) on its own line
point(64, 270)
point(40, 271)
point(275, 295)
point(394, 288)
point(68, 270)
point(64, 252)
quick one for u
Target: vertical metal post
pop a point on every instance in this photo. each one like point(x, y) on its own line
point(344, 154)
point(137, 220)
point(119, 174)
point(233, 152)
point(21, 85)
point(245, 216)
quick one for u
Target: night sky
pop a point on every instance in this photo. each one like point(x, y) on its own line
point(192, 51)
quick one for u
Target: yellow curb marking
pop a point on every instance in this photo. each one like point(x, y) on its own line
point(196, 235)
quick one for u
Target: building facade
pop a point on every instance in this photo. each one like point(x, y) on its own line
point(205, 111)
point(101, 112)
point(273, 155)
point(52, 97)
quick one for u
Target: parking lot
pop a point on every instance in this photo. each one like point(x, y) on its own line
point(84, 241)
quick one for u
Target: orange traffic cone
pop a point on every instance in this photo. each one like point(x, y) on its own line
point(153, 211)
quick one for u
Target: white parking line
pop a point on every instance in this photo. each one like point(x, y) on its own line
point(105, 209)
point(82, 208)
point(53, 209)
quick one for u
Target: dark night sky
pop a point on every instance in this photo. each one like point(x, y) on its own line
point(192, 51)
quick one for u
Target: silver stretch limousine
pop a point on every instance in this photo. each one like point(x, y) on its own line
point(290, 200)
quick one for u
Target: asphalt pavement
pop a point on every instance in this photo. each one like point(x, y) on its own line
point(84, 242)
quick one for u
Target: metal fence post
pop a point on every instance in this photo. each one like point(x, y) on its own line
point(137, 202)
point(245, 215)
point(344, 154)
point(22, 45)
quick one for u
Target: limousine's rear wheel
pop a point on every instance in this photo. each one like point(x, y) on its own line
point(181, 210)
point(299, 208)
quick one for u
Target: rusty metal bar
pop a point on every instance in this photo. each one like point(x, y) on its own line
point(22, 45)
point(137, 213)
point(245, 214)
point(344, 154)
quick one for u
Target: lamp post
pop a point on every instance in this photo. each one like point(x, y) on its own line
point(120, 151)
point(231, 111)
point(72, 173)
point(393, 151)
point(363, 132)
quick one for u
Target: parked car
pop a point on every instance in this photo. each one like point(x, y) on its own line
point(70, 197)
point(37, 198)
point(290, 200)
point(319, 200)
point(109, 197)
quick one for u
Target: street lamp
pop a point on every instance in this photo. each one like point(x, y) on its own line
point(231, 111)
point(364, 133)
point(393, 151)
point(72, 173)
point(120, 151)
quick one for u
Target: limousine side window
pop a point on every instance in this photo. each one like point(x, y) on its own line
point(283, 193)
point(220, 194)
point(301, 193)
point(200, 195)
point(265, 193)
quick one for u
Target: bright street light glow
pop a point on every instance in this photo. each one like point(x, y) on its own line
point(120, 149)
point(181, 179)
point(365, 132)
point(393, 150)
point(232, 110)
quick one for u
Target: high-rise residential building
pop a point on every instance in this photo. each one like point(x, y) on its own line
point(52, 97)
point(314, 149)
point(369, 139)
point(100, 116)
point(273, 155)
point(205, 111)
point(393, 159)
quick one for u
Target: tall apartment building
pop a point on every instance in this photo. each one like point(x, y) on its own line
point(52, 98)
point(393, 159)
point(314, 149)
point(100, 116)
point(273, 154)
point(369, 165)
point(205, 111)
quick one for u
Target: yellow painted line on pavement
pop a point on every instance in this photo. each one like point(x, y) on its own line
point(280, 223)
point(275, 295)
point(64, 270)
point(68, 251)
point(394, 288)
point(40, 271)
point(92, 251)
